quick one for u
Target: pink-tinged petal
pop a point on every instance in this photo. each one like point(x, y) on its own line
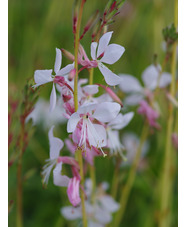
point(72, 122)
point(96, 135)
point(129, 84)
point(53, 98)
point(150, 76)
point(106, 111)
point(121, 121)
point(71, 213)
point(58, 60)
point(65, 70)
point(111, 78)
point(73, 191)
point(42, 77)
point(56, 144)
point(109, 203)
point(93, 50)
point(112, 54)
point(91, 89)
point(133, 100)
point(165, 80)
point(103, 43)
point(60, 180)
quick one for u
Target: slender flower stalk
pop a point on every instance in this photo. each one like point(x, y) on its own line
point(128, 186)
point(19, 220)
point(166, 185)
point(79, 152)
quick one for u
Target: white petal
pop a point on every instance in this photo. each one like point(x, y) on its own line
point(96, 135)
point(91, 89)
point(94, 224)
point(121, 121)
point(71, 213)
point(42, 77)
point(129, 84)
point(103, 43)
point(106, 111)
point(133, 100)
point(109, 203)
point(110, 77)
point(65, 70)
point(58, 60)
point(60, 180)
point(112, 53)
point(88, 108)
point(150, 76)
point(165, 79)
point(102, 215)
point(93, 50)
point(53, 98)
point(73, 121)
point(56, 144)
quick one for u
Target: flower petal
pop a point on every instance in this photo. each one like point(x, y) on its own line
point(112, 54)
point(91, 89)
point(58, 60)
point(66, 70)
point(150, 76)
point(60, 180)
point(121, 121)
point(106, 111)
point(73, 121)
point(111, 78)
point(109, 203)
point(129, 84)
point(56, 144)
point(42, 77)
point(133, 100)
point(53, 98)
point(165, 79)
point(102, 215)
point(96, 135)
point(93, 50)
point(103, 43)
point(71, 213)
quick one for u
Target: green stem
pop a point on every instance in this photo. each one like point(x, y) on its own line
point(128, 186)
point(115, 181)
point(167, 166)
point(79, 152)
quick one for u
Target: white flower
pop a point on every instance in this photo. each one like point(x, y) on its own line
point(42, 115)
point(99, 213)
point(131, 143)
point(45, 76)
point(151, 77)
point(94, 133)
point(109, 54)
point(56, 145)
point(113, 126)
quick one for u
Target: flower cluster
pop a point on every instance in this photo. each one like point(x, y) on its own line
point(93, 127)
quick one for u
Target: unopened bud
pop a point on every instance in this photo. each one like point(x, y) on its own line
point(68, 54)
point(72, 74)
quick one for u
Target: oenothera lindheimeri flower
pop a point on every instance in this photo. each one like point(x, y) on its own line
point(99, 213)
point(152, 77)
point(73, 191)
point(113, 126)
point(45, 76)
point(56, 145)
point(103, 52)
point(131, 143)
point(81, 124)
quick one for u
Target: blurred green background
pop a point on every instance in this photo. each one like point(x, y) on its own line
point(36, 28)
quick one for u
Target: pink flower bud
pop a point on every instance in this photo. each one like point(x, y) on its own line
point(72, 74)
point(73, 191)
